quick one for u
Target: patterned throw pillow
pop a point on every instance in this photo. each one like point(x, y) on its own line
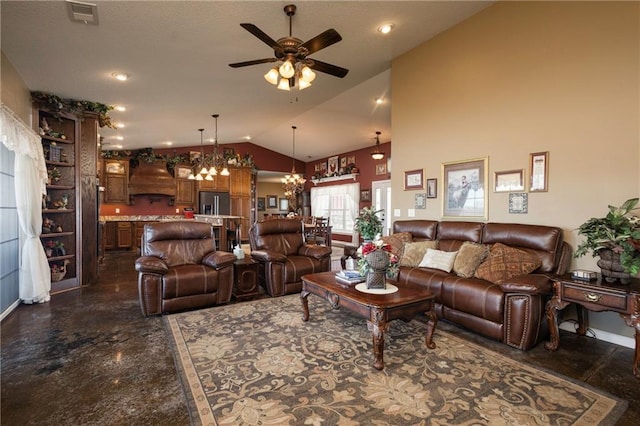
point(469, 257)
point(439, 259)
point(414, 252)
point(506, 262)
point(396, 241)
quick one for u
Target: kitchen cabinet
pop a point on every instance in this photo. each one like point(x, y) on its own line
point(240, 181)
point(185, 188)
point(124, 237)
point(219, 183)
point(116, 181)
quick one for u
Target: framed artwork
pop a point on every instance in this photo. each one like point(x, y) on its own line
point(465, 185)
point(194, 156)
point(117, 168)
point(509, 181)
point(228, 152)
point(284, 204)
point(323, 168)
point(351, 159)
point(518, 202)
point(365, 195)
point(343, 162)
point(332, 165)
point(272, 202)
point(421, 201)
point(381, 169)
point(183, 172)
point(413, 180)
point(539, 173)
point(261, 204)
point(432, 188)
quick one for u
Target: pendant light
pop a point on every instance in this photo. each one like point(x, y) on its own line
point(377, 154)
point(198, 176)
point(293, 183)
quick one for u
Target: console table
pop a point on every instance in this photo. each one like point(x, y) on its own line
point(598, 295)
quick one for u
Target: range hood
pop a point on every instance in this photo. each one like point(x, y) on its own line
point(152, 179)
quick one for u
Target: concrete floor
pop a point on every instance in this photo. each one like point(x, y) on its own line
point(90, 357)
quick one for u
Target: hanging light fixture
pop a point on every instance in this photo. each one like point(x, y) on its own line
point(198, 176)
point(218, 159)
point(293, 184)
point(377, 154)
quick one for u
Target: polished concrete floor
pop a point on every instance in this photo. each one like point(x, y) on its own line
point(89, 357)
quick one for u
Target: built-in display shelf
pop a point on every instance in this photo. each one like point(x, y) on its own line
point(334, 178)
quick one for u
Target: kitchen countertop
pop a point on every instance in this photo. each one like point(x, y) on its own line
point(213, 219)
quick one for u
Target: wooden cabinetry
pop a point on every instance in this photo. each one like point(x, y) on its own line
point(116, 181)
point(240, 181)
point(219, 183)
point(242, 196)
point(124, 235)
point(60, 226)
point(185, 188)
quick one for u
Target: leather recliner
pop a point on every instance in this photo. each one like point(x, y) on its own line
point(180, 269)
point(279, 247)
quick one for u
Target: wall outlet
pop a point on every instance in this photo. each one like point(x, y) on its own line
point(117, 211)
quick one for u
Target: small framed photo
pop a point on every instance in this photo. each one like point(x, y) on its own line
point(272, 202)
point(261, 204)
point(284, 204)
point(343, 162)
point(539, 173)
point(413, 180)
point(421, 201)
point(365, 195)
point(351, 160)
point(381, 169)
point(518, 202)
point(323, 168)
point(183, 172)
point(509, 181)
point(228, 152)
point(432, 188)
point(332, 164)
point(465, 187)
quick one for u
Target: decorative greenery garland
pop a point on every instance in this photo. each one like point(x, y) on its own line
point(57, 105)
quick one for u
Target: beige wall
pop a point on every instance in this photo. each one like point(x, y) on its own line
point(14, 92)
point(523, 77)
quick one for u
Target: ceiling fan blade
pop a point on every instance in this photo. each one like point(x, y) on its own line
point(321, 41)
point(254, 62)
point(262, 36)
point(328, 68)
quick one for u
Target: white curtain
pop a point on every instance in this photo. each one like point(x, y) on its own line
point(30, 185)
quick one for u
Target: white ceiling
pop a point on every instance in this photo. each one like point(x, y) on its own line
point(177, 55)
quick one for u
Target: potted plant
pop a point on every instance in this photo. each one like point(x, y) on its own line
point(614, 238)
point(368, 224)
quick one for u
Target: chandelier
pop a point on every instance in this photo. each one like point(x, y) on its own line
point(377, 154)
point(290, 74)
point(210, 165)
point(293, 184)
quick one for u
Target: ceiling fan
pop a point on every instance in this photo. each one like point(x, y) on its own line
point(293, 53)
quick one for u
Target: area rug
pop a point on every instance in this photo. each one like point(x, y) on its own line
point(258, 363)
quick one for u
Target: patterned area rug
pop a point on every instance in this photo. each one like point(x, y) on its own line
point(258, 363)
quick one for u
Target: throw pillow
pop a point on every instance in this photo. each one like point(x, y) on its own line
point(506, 262)
point(439, 259)
point(414, 252)
point(396, 241)
point(469, 257)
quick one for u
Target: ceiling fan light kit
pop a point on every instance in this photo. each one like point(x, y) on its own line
point(294, 68)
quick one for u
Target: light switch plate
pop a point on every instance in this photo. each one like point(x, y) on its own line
point(411, 212)
point(396, 212)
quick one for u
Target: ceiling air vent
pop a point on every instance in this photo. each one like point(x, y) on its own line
point(86, 13)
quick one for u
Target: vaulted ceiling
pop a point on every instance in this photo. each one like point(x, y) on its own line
point(176, 54)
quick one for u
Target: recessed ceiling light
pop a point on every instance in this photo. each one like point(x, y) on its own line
point(120, 76)
point(120, 138)
point(385, 28)
point(247, 138)
point(168, 143)
point(120, 108)
point(117, 146)
point(379, 101)
point(120, 125)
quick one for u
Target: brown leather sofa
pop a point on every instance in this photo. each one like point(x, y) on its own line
point(511, 311)
point(279, 247)
point(180, 268)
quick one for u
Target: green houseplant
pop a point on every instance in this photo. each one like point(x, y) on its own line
point(368, 224)
point(616, 234)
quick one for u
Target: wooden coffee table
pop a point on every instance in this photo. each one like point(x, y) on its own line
point(378, 309)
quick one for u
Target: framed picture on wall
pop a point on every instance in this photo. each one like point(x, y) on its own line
point(413, 180)
point(343, 162)
point(381, 169)
point(284, 204)
point(261, 204)
point(272, 202)
point(365, 195)
point(421, 201)
point(465, 187)
point(432, 188)
point(509, 181)
point(351, 160)
point(323, 168)
point(539, 172)
point(332, 164)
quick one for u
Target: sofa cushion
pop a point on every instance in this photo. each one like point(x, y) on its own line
point(438, 259)
point(396, 241)
point(414, 252)
point(505, 262)
point(469, 257)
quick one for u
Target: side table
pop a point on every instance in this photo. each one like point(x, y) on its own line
point(245, 272)
point(595, 296)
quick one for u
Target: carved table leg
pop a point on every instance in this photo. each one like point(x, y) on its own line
point(377, 325)
point(583, 320)
point(553, 306)
point(431, 327)
point(305, 305)
point(633, 320)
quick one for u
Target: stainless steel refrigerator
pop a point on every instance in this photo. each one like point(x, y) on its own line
point(214, 203)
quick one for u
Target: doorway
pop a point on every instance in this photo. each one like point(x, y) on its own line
point(381, 200)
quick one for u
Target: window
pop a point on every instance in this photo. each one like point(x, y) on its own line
point(338, 202)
